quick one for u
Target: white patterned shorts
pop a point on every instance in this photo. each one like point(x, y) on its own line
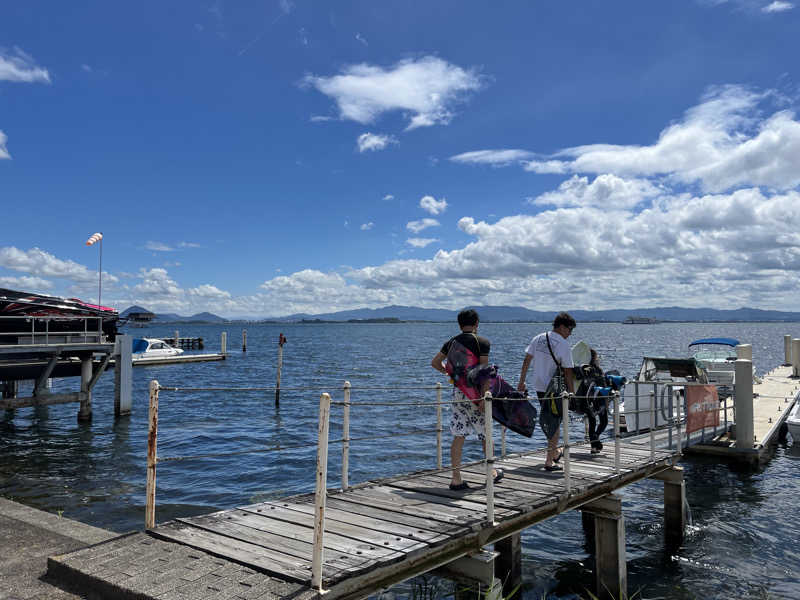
point(466, 417)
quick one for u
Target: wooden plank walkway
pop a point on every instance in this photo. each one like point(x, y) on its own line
point(381, 532)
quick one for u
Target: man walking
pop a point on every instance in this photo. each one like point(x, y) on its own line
point(549, 351)
point(463, 351)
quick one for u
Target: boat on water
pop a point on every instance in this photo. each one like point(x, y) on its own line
point(718, 357)
point(634, 320)
point(793, 423)
point(145, 348)
point(28, 318)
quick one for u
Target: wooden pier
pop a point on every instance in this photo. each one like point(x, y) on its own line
point(382, 532)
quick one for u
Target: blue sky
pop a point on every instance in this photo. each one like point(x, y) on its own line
point(266, 158)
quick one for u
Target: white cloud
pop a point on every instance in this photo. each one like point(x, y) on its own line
point(207, 291)
point(388, 197)
point(607, 191)
point(374, 141)
point(39, 263)
point(3, 150)
point(156, 283)
point(86, 68)
point(287, 6)
point(367, 226)
point(320, 119)
point(432, 205)
point(361, 39)
point(426, 89)
point(158, 247)
point(722, 143)
point(778, 6)
point(21, 67)
point(493, 157)
point(190, 245)
point(417, 226)
point(26, 284)
point(420, 242)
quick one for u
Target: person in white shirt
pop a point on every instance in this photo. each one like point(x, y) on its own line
point(545, 350)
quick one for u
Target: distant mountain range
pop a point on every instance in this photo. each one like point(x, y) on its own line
point(504, 314)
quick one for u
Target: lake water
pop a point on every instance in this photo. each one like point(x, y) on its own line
point(743, 542)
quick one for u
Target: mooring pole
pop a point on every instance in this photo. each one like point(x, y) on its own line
point(244, 340)
point(152, 458)
point(787, 350)
point(320, 497)
point(281, 342)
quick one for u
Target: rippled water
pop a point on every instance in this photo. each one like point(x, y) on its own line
point(744, 534)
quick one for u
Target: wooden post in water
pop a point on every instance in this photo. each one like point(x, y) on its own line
point(787, 350)
point(152, 458)
point(611, 571)
point(320, 496)
point(244, 340)
point(508, 565)
point(281, 342)
point(346, 436)
point(744, 351)
point(224, 342)
point(177, 343)
point(743, 403)
point(674, 506)
point(85, 411)
point(795, 357)
point(438, 424)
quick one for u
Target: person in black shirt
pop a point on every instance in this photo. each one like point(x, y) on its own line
point(467, 417)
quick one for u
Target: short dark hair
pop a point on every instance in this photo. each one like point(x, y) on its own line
point(468, 317)
point(564, 318)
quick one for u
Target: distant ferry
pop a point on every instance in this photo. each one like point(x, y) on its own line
point(640, 320)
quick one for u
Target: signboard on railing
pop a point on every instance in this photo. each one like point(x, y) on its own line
point(702, 407)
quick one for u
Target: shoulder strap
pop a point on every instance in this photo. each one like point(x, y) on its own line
point(549, 347)
point(478, 343)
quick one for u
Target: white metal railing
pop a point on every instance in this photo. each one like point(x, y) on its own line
point(32, 334)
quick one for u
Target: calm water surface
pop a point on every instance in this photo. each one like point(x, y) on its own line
point(743, 542)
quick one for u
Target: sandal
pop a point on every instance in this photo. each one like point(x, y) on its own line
point(553, 468)
point(558, 458)
point(459, 487)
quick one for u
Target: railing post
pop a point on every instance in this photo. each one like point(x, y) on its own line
point(489, 442)
point(616, 431)
point(152, 458)
point(438, 424)
point(565, 428)
point(503, 441)
point(346, 435)
point(652, 425)
point(321, 491)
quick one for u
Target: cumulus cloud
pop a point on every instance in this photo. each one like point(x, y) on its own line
point(420, 242)
point(3, 150)
point(426, 89)
point(158, 247)
point(388, 197)
point(722, 144)
point(374, 141)
point(432, 205)
point(21, 67)
point(605, 191)
point(208, 291)
point(27, 284)
point(778, 6)
point(367, 226)
point(38, 263)
point(417, 226)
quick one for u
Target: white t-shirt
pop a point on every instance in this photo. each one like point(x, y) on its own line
point(543, 365)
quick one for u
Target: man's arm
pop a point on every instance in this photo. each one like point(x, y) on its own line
point(524, 372)
point(437, 363)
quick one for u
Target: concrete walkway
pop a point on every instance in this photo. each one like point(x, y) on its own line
point(27, 537)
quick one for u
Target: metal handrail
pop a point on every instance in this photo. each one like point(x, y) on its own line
point(33, 332)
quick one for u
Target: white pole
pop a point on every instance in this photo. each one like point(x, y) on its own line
point(652, 425)
point(346, 435)
point(487, 422)
point(438, 425)
point(616, 431)
point(321, 491)
point(744, 351)
point(787, 350)
point(152, 458)
point(565, 428)
point(224, 342)
point(100, 293)
point(743, 399)
point(796, 357)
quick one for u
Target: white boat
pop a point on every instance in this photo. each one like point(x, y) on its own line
point(144, 348)
point(718, 357)
point(793, 422)
point(651, 387)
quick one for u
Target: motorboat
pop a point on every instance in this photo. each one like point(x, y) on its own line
point(657, 384)
point(718, 357)
point(28, 318)
point(793, 422)
point(146, 348)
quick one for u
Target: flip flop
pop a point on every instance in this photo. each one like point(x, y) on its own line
point(558, 458)
point(459, 487)
point(553, 468)
point(499, 475)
